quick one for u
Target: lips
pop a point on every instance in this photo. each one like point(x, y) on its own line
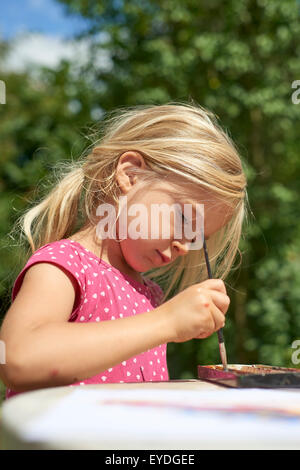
point(164, 258)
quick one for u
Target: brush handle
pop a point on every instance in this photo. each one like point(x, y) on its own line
point(220, 331)
point(220, 335)
point(222, 348)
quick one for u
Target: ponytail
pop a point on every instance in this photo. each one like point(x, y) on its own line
point(56, 215)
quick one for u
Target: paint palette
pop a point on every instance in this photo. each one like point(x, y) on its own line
point(251, 376)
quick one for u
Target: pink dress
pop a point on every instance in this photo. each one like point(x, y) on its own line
point(104, 293)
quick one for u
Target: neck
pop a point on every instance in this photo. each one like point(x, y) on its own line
point(109, 250)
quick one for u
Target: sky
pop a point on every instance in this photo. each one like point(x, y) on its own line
point(43, 16)
point(41, 33)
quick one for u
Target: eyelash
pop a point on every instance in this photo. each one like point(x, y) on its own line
point(185, 221)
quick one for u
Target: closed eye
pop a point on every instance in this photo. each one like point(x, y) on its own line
point(185, 220)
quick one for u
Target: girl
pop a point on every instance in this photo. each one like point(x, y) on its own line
point(83, 310)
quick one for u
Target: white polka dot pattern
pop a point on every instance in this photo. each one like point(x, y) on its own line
point(106, 294)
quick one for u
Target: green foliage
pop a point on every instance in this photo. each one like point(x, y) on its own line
point(38, 128)
point(237, 58)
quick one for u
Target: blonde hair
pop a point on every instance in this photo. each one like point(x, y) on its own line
point(178, 141)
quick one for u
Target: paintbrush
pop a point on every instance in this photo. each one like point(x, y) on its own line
point(220, 331)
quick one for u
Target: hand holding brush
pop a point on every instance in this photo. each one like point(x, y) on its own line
point(220, 331)
point(196, 312)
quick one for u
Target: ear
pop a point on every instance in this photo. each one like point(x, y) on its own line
point(128, 160)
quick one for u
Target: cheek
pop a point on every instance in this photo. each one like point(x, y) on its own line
point(161, 226)
point(152, 225)
point(136, 248)
point(137, 253)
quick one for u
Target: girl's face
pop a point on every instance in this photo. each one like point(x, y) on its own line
point(154, 249)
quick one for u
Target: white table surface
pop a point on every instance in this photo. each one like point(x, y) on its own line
point(190, 427)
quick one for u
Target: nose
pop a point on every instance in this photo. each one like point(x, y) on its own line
point(180, 248)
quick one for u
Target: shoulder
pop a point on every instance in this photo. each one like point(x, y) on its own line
point(62, 254)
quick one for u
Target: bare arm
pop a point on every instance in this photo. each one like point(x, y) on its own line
point(43, 349)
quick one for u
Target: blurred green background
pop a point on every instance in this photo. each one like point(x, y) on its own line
point(239, 59)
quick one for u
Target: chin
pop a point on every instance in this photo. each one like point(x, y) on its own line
point(134, 259)
point(131, 262)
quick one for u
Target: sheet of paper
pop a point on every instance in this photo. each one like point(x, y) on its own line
point(145, 417)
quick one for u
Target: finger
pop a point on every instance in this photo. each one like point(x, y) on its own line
point(219, 318)
point(204, 335)
point(220, 300)
point(214, 284)
point(218, 322)
point(208, 321)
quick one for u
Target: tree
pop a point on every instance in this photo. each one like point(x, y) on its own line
point(239, 61)
point(43, 122)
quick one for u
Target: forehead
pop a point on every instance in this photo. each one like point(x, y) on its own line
point(188, 194)
point(216, 213)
